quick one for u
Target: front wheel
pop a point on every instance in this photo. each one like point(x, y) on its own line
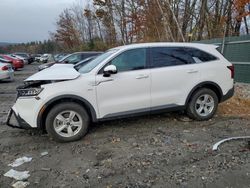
point(67, 122)
point(203, 104)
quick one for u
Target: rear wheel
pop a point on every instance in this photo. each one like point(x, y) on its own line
point(67, 122)
point(203, 104)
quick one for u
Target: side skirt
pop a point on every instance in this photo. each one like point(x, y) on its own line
point(141, 112)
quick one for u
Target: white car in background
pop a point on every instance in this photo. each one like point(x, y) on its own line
point(46, 58)
point(6, 71)
point(125, 81)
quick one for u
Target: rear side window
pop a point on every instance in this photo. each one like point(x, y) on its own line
point(170, 56)
point(200, 56)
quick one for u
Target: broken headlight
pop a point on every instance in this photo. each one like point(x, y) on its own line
point(29, 92)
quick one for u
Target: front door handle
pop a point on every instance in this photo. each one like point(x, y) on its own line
point(192, 71)
point(142, 76)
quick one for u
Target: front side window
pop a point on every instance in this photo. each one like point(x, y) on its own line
point(169, 56)
point(134, 59)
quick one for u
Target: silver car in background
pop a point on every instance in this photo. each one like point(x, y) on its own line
point(6, 71)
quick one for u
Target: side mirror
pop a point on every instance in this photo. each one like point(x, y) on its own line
point(110, 69)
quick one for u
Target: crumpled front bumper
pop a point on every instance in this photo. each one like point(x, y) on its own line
point(15, 121)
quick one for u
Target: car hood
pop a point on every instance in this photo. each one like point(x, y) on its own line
point(55, 72)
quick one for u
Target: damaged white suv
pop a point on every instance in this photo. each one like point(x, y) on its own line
point(125, 81)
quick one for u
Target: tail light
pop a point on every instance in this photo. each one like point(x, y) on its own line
point(4, 68)
point(231, 68)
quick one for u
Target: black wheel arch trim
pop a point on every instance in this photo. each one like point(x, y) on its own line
point(200, 85)
point(73, 97)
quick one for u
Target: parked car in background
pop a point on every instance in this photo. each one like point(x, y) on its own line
point(6, 71)
point(26, 55)
point(125, 81)
point(83, 62)
point(37, 57)
point(76, 66)
point(70, 59)
point(25, 60)
point(45, 58)
point(3, 60)
point(16, 63)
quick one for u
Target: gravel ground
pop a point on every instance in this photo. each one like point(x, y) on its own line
point(166, 150)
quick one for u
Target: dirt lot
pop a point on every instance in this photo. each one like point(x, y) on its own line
point(166, 150)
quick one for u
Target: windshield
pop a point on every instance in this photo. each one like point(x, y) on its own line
point(92, 64)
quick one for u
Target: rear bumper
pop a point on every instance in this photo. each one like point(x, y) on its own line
point(228, 95)
point(18, 121)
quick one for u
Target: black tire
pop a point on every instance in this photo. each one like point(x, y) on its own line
point(61, 108)
point(192, 105)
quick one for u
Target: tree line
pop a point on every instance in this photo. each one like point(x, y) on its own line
point(106, 23)
point(101, 24)
point(38, 47)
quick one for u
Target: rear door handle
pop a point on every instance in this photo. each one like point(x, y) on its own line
point(142, 76)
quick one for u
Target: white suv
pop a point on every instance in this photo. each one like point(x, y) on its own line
point(124, 81)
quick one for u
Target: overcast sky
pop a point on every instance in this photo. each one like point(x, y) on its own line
point(29, 20)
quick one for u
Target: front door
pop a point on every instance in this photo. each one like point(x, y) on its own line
point(128, 91)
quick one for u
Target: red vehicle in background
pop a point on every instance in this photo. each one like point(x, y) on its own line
point(16, 63)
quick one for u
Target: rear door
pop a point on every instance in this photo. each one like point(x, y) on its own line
point(173, 74)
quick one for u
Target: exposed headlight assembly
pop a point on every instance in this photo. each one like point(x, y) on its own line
point(29, 92)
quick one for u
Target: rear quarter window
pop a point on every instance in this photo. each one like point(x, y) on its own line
point(200, 56)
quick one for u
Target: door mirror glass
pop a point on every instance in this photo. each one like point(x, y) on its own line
point(110, 69)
